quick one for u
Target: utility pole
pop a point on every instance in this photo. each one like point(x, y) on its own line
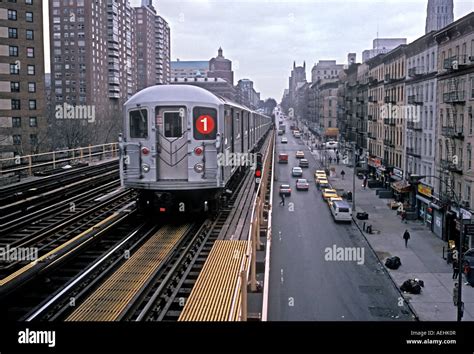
point(460, 258)
point(353, 178)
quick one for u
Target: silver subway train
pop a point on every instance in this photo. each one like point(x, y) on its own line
point(174, 137)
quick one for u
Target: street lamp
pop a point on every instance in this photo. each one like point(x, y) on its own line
point(415, 179)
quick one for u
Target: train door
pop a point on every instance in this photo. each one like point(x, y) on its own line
point(137, 139)
point(172, 142)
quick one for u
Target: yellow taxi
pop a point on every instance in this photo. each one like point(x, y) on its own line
point(332, 200)
point(322, 172)
point(323, 183)
point(329, 193)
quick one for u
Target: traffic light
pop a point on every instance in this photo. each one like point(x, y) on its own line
point(258, 168)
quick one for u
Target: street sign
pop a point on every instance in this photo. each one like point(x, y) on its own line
point(469, 229)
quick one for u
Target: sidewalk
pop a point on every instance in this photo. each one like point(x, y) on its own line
point(422, 259)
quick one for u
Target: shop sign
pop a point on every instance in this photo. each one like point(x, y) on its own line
point(425, 190)
point(469, 229)
point(374, 162)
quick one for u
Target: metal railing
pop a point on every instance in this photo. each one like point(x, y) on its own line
point(53, 159)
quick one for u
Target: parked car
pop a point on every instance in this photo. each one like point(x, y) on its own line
point(341, 210)
point(328, 193)
point(304, 163)
point(284, 140)
point(297, 172)
point(280, 132)
point(302, 184)
point(300, 154)
point(285, 189)
point(469, 266)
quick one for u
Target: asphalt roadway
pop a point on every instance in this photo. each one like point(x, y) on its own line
point(308, 280)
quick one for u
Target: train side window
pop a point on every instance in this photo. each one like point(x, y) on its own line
point(173, 124)
point(139, 124)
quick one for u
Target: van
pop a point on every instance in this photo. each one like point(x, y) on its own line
point(341, 210)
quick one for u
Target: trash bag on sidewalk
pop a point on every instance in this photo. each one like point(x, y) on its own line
point(412, 286)
point(393, 262)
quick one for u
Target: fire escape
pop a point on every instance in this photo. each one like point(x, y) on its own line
point(452, 131)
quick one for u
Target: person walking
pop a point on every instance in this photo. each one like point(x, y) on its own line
point(330, 159)
point(365, 182)
point(337, 159)
point(404, 216)
point(343, 174)
point(455, 269)
point(406, 237)
point(282, 196)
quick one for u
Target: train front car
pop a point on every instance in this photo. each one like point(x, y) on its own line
point(169, 147)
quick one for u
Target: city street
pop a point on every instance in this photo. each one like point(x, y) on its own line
point(306, 286)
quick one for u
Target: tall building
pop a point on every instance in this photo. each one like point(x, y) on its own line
point(221, 67)
point(93, 66)
point(297, 76)
point(382, 46)
point(455, 90)
point(439, 14)
point(246, 94)
point(146, 56)
point(22, 99)
point(163, 51)
point(153, 47)
point(326, 70)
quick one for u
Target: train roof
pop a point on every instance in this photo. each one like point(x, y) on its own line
point(174, 93)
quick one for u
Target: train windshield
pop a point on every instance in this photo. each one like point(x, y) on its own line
point(139, 124)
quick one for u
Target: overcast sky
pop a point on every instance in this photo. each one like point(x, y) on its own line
point(263, 37)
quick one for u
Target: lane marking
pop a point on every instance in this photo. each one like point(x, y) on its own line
point(279, 235)
point(281, 278)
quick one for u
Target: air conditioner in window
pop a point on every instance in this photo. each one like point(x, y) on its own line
point(465, 204)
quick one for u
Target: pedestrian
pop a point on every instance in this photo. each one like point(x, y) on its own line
point(343, 174)
point(365, 182)
point(330, 159)
point(455, 269)
point(282, 202)
point(404, 216)
point(406, 237)
point(337, 159)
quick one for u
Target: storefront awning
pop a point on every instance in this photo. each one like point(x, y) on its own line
point(401, 186)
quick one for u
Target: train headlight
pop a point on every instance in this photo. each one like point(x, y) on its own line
point(146, 168)
point(199, 167)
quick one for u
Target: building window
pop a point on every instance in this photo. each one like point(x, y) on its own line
point(30, 52)
point(12, 33)
point(29, 17)
point(33, 122)
point(32, 104)
point(14, 86)
point(12, 15)
point(16, 122)
point(14, 69)
point(17, 139)
point(31, 87)
point(16, 104)
point(33, 139)
point(13, 50)
point(29, 2)
point(30, 34)
point(31, 69)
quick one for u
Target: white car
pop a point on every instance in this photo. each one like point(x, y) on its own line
point(297, 172)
